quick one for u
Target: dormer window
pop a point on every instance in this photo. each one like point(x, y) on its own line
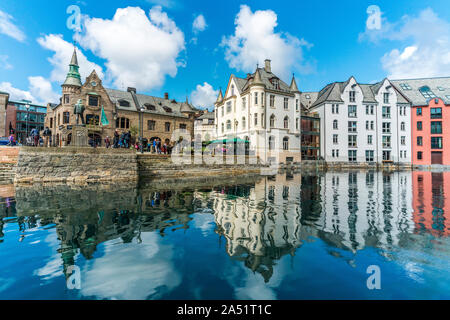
point(275, 83)
point(352, 96)
point(167, 109)
point(124, 103)
point(150, 107)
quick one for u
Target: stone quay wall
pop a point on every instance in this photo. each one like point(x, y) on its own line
point(75, 165)
point(8, 162)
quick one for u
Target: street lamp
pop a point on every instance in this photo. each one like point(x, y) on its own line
point(27, 106)
point(141, 129)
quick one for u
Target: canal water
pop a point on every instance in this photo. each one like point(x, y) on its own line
point(334, 235)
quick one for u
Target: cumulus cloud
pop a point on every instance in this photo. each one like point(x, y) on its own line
point(425, 50)
point(39, 91)
point(255, 40)
point(4, 62)
point(140, 50)
point(199, 24)
point(163, 3)
point(204, 96)
point(8, 28)
point(60, 60)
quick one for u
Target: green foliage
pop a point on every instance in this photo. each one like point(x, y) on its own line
point(134, 130)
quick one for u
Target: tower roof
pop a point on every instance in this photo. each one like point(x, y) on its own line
point(293, 86)
point(73, 76)
point(220, 97)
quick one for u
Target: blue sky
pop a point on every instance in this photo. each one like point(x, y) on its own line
point(157, 49)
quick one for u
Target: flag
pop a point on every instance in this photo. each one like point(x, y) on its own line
point(105, 121)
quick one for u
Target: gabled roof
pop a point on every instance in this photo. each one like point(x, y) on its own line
point(330, 92)
point(266, 80)
point(440, 86)
point(307, 99)
point(145, 100)
point(208, 115)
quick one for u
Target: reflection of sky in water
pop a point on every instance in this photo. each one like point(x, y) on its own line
point(231, 244)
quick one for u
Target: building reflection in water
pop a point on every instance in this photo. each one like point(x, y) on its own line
point(259, 222)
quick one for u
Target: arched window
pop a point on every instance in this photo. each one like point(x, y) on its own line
point(243, 123)
point(229, 125)
point(286, 122)
point(122, 123)
point(335, 124)
point(285, 143)
point(271, 143)
point(272, 121)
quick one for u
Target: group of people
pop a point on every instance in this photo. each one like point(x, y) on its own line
point(120, 140)
point(156, 146)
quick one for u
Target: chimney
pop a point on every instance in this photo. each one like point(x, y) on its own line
point(130, 89)
point(268, 67)
point(166, 96)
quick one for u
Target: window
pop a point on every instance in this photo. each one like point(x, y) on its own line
point(369, 110)
point(335, 108)
point(405, 86)
point(386, 127)
point(93, 101)
point(352, 126)
point(244, 124)
point(66, 117)
point(151, 125)
point(228, 106)
point(369, 139)
point(232, 89)
point(286, 122)
point(436, 127)
point(419, 141)
point(352, 141)
point(66, 98)
point(386, 141)
point(436, 142)
point(335, 124)
point(262, 99)
point(386, 155)
point(228, 125)
point(403, 140)
point(371, 125)
point(419, 111)
point(271, 142)
point(51, 122)
point(244, 103)
point(150, 107)
point(419, 155)
point(256, 98)
point(297, 123)
point(386, 97)
point(256, 119)
point(335, 138)
point(419, 125)
point(263, 122)
point(427, 93)
point(402, 126)
point(369, 155)
point(436, 113)
point(352, 111)
point(352, 95)
point(222, 109)
point(167, 126)
point(386, 112)
point(272, 100)
point(286, 103)
point(223, 128)
point(183, 126)
point(285, 143)
point(296, 104)
point(275, 83)
point(272, 121)
point(92, 119)
point(124, 103)
point(351, 155)
point(367, 125)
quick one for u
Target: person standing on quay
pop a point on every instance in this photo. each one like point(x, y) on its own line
point(47, 134)
point(116, 139)
point(107, 142)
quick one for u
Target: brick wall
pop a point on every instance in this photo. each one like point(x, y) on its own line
point(9, 154)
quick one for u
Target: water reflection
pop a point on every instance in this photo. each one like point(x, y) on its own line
point(124, 232)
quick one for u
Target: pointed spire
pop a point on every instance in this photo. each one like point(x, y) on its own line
point(220, 97)
point(73, 76)
point(294, 87)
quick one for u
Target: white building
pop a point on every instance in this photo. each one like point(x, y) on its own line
point(363, 123)
point(204, 127)
point(264, 110)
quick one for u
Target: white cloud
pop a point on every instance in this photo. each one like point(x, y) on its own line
point(40, 91)
point(255, 40)
point(8, 28)
point(63, 51)
point(425, 50)
point(4, 62)
point(163, 3)
point(204, 96)
point(199, 24)
point(140, 51)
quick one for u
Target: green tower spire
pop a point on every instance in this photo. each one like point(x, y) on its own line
point(73, 77)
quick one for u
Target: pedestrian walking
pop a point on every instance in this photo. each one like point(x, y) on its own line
point(47, 135)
